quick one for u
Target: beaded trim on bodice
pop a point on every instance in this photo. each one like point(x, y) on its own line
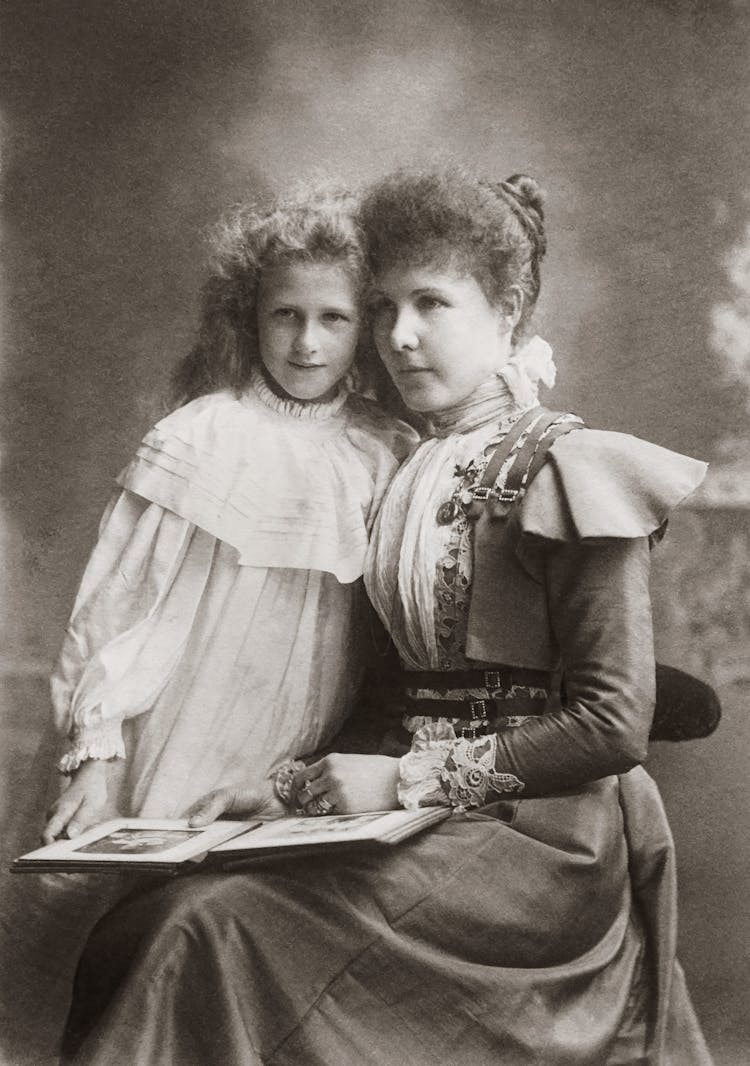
point(454, 570)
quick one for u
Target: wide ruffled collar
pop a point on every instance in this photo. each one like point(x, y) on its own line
point(286, 492)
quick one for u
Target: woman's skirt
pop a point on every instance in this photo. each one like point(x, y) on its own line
point(535, 931)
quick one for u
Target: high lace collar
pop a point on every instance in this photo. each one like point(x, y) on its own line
point(492, 401)
point(502, 398)
point(312, 410)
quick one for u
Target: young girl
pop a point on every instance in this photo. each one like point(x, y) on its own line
point(217, 621)
point(536, 926)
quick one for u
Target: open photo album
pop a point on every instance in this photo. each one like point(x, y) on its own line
point(172, 846)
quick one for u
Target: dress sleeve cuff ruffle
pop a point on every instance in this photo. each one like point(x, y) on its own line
point(101, 741)
point(599, 484)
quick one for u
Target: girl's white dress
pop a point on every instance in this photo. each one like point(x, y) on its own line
point(218, 627)
point(218, 624)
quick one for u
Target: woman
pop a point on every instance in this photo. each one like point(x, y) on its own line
point(536, 925)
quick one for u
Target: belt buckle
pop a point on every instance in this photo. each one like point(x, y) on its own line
point(492, 679)
point(478, 710)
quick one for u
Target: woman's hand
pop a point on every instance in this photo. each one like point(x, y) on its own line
point(82, 804)
point(352, 784)
point(237, 800)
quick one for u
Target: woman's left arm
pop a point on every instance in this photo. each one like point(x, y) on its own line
point(600, 612)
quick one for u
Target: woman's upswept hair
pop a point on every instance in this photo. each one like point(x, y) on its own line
point(320, 228)
point(493, 231)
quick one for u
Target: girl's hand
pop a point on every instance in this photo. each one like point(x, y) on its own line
point(353, 784)
point(82, 804)
point(238, 800)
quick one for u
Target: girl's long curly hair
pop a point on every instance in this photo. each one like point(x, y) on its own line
point(320, 228)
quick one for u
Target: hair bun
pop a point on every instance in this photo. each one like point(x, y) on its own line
point(529, 191)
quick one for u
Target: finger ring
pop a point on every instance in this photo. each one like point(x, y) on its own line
point(320, 806)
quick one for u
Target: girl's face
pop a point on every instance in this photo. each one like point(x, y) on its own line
point(438, 335)
point(308, 325)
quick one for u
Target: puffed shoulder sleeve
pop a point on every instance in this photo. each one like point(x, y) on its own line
point(591, 511)
point(598, 484)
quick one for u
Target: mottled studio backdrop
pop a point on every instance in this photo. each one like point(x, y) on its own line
point(128, 125)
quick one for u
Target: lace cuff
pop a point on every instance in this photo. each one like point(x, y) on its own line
point(443, 771)
point(469, 773)
point(100, 741)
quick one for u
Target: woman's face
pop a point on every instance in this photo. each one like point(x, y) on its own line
point(437, 334)
point(308, 325)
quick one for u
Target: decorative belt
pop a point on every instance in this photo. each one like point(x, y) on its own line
point(476, 702)
point(496, 678)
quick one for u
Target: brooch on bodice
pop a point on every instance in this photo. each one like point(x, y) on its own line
point(471, 493)
point(463, 495)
